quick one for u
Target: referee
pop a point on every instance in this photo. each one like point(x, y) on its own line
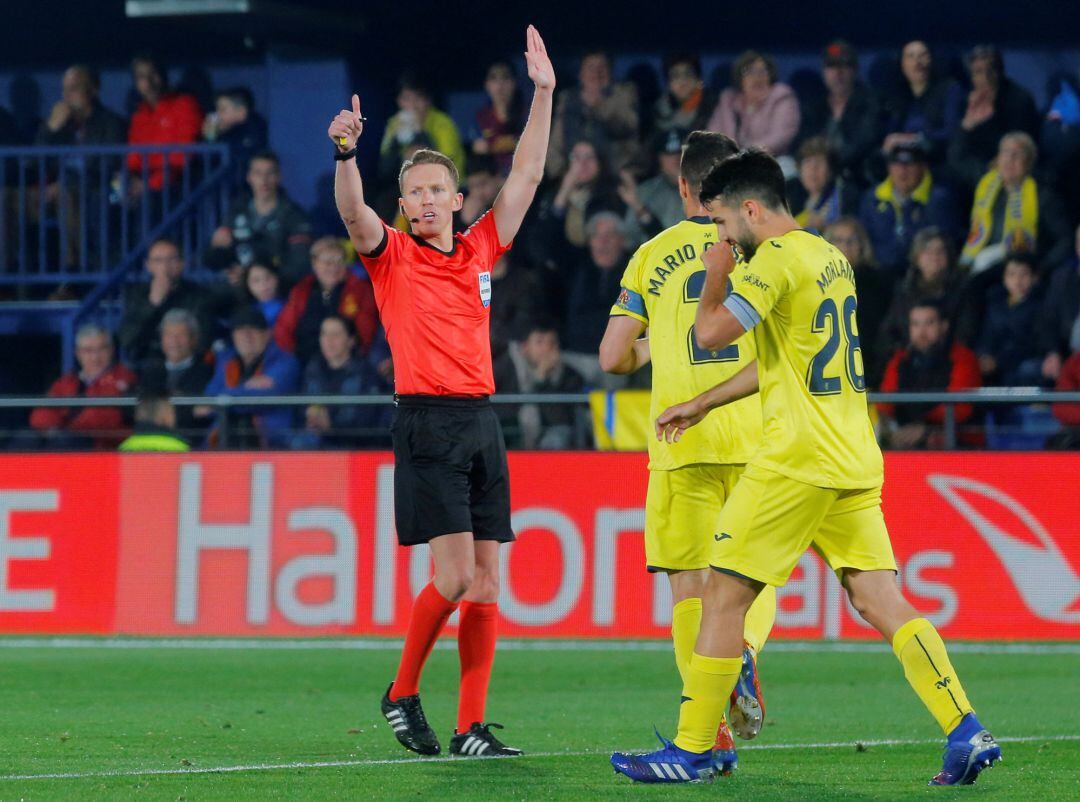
point(451, 483)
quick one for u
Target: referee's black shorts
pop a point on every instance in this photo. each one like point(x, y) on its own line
point(450, 472)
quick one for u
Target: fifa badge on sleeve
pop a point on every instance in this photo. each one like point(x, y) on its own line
point(485, 288)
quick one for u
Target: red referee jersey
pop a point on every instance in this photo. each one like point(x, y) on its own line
point(436, 308)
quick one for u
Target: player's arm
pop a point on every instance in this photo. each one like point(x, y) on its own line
point(622, 350)
point(364, 226)
point(715, 326)
point(675, 420)
point(528, 169)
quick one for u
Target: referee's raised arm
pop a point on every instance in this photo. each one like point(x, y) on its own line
point(528, 169)
point(365, 228)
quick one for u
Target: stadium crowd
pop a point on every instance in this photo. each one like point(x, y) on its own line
point(954, 198)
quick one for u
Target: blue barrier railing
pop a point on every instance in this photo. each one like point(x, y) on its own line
point(190, 222)
point(73, 214)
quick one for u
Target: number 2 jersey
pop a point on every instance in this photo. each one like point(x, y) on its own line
point(661, 288)
point(796, 297)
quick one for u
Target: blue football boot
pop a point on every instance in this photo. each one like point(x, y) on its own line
point(970, 750)
point(668, 765)
point(725, 760)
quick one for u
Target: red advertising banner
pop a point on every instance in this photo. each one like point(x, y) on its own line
point(304, 545)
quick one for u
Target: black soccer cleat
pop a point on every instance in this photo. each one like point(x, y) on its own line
point(480, 742)
point(406, 717)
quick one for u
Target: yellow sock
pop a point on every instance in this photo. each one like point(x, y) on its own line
point(685, 623)
point(926, 665)
point(760, 618)
point(709, 683)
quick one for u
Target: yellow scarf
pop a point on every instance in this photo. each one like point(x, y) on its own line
point(885, 194)
point(1021, 216)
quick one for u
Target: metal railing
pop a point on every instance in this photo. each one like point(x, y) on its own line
point(994, 397)
point(70, 214)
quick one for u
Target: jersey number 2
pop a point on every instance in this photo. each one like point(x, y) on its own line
point(827, 316)
point(698, 355)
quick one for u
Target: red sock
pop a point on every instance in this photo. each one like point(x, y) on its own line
point(476, 648)
point(429, 614)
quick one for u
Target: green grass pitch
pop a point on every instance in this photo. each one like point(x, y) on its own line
point(155, 723)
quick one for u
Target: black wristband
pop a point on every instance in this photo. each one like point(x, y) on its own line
point(344, 156)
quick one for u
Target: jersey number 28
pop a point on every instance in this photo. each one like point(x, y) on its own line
point(827, 317)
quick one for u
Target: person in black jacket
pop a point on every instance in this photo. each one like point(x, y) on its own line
point(185, 367)
point(146, 304)
point(995, 106)
point(339, 370)
point(1059, 324)
point(847, 116)
point(1008, 353)
point(236, 123)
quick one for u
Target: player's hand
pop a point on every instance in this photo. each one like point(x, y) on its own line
point(675, 420)
point(541, 73)
point(346, 127)
point(720, 257)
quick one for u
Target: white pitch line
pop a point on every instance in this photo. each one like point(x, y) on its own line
point(509, 645)
point(331, 764)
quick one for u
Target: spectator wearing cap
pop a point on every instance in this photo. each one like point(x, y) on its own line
point(929, 363)
point(655, 203)
point(498, 124)
point(594, 283)
point(1008, 353)
point(255, 366)
point(599, 110)
point(331, 288)
point(145, 305)
point(236, 123)
point(818, 196)
point(848, 115)
point(687, 103)
point(98, 376)
point(265, 225)
point(338, 369)
point(155, 427)
point(757, 110)
point(905, 202)
point(417, 121)
point(995, 106)
point(184, 368)
point(1013, 211)
point(923, 107)
point(162, 118)
point(1059, 322)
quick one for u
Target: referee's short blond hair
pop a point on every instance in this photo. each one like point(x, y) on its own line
point(427, 156)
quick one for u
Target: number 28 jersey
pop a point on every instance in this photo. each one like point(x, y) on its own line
point(661, 288)
point(798, 295)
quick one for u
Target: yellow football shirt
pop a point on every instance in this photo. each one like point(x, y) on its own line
point(798, 293)
point(661, 288)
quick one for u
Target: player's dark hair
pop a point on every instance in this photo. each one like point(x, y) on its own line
point(238, 96)
point(748, 174)
point(426, 156)
point(704, 150)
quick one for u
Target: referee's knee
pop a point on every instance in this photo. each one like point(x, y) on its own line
point(485, 586)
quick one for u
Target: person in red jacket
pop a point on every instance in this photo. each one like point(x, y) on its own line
point(928, 364)
point(161, 118)
point(332, 289)
point(98, 376)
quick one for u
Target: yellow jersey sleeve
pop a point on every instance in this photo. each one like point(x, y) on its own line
point(631, 300)
point(759, 284)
